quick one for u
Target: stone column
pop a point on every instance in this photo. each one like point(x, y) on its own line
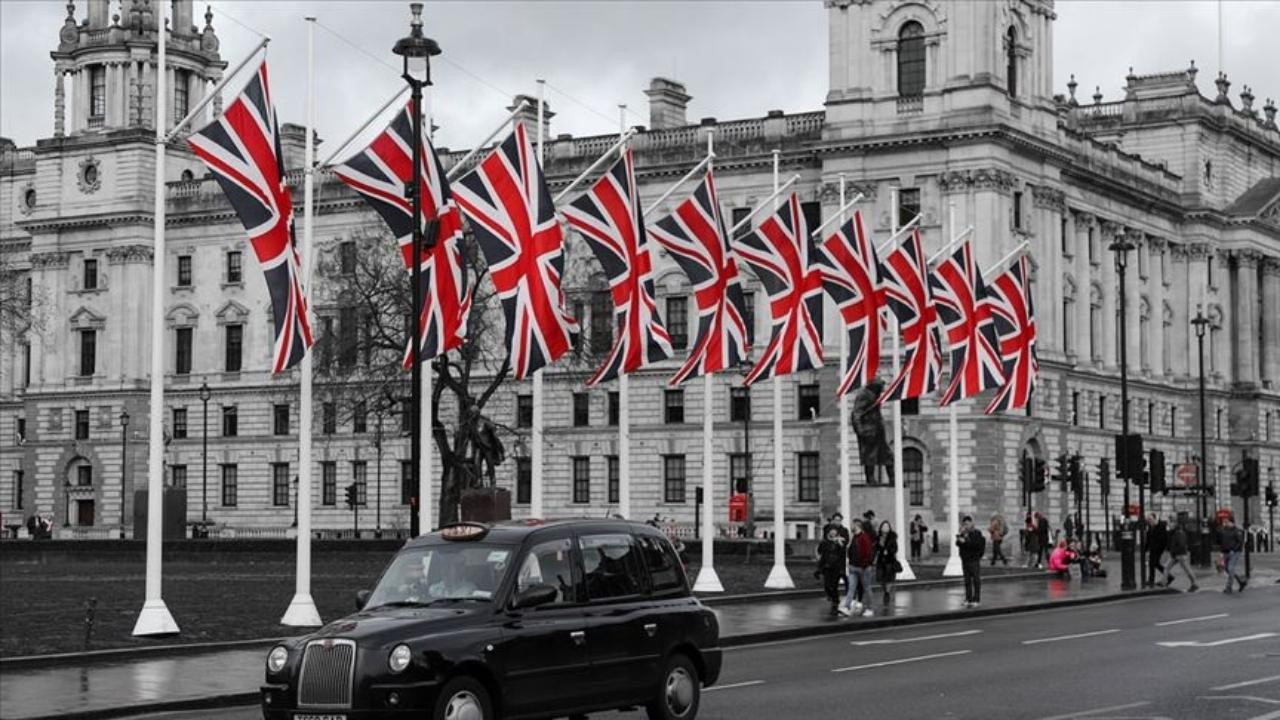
point(1181, 358)
point(1219, 296)
point(1155, 273)
point(1080, 224)
point(1132, 298)
point(1271, 320)
point(1110, 297)
point(1049, 206)
point(59, 103)
point(1244, 342)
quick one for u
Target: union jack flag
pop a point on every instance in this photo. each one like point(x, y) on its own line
point(506, 199)
point(851, 276)
point(966, 321)
point(906, 290)
point(1009, 301)
point(609, 216)
point(694, 235)
point(381, 174)
point(783, 256)
point(242, 148)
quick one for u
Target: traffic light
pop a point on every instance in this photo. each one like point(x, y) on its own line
point(1104, 475)
point(1251, 478)
point(1157, 473)
point(1038, 469)
point(1062, 471)
point(350, 491)
point(1075, 476)
point(1129, 456)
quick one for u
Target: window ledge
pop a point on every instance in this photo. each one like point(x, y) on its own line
point(87, 291)
point(232, 284)
point(182, 288)
point(231, 375)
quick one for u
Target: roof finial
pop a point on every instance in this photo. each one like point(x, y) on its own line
point(1097, 95)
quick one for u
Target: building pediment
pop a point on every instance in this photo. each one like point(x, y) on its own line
point(85, 319)
point(182, 315)
point(232, 312)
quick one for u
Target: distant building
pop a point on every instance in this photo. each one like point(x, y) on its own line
point(951, 102)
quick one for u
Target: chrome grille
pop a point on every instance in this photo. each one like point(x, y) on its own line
point(325, 678)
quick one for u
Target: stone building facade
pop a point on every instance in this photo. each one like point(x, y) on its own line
point(952, 103)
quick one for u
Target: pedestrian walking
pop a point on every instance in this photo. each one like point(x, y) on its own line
point(998, 529)
point(831, 566)
point(972, 547)
point(887, 564)
point(1042, 537)
point(862, 555)
point(837, 521)
point(1231, 541)
point(1178, 556)
point(1157, 543)
point(1030, 540)
point(917, 531)
point(1068, 526)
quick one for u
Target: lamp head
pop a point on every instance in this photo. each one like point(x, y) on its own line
point(205, 393)
point(124, 418)
point(416, 49)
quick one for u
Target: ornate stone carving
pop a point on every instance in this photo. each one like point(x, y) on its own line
point(50, 260)
point(868, 190)
point(1049, 197)
point(1197, 251)
point(954, 181)
point(993, 179)
point(129, 254)
point(89, 176)
point(27, 198)
point(1178, 252)
point(1247, 258)
point(1271, 266)
point(69, 35)
point(208, 40)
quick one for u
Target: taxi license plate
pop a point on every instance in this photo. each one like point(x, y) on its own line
point(319, 717)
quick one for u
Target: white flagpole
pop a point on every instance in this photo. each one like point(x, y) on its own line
point(778, 578)
point(624, 392)
point(426, 425)
point(302, 610)
point(708, 580)
point(846, 502)
point(535, 482)
point(368, 121)
point(155, 618)
point(461, 165)
point(899, 483)
point(953, 568)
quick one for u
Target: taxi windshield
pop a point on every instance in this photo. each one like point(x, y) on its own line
point(422, 576)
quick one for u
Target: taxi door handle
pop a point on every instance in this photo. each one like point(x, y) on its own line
point(579, 637)
point(651, 628)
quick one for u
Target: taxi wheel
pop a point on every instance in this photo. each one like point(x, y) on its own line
point(680, 691)
point(463, 698)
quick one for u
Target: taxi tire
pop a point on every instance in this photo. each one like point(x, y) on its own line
point(458, 686)
point(659, 708)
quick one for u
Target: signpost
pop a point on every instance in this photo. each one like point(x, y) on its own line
point(1186, 475)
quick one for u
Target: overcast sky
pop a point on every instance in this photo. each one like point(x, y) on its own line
point(738, 59)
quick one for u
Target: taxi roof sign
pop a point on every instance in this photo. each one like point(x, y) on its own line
point(464, 531)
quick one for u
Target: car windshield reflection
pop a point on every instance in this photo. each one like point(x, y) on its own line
point(442, 574)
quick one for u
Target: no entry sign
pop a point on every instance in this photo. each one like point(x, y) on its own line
point(1186, 474)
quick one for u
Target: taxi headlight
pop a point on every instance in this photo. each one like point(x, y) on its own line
point(276, 659)
point(399, 658)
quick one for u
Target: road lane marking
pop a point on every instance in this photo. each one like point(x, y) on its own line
point(1095, 711)
point(1215, 643)
point(891, 641)
point(1194, 619)
point(903, 660)
point(1250, 698)
point(1246, 683)
point(1268, 716)
point(731, 686)
point(1070, 637)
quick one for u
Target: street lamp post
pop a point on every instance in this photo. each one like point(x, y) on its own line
point(124, 465)
point(1121, 248)
point(377, 491)
point(416, 50)
point(205, 394)
point(1201, 324)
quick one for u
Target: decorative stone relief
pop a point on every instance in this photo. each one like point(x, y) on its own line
point(50, 260)
point(1050, 198)
point(129, 254)
point(979, 179)
point(27, 198)
point(89, 176)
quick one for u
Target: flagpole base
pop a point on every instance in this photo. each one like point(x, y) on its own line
point(779, 578)
point(301, 612)
point(907, 573)
point(953, 568)
point(155, 620)
point(708, 581)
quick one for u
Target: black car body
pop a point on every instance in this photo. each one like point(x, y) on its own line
point(583, 615)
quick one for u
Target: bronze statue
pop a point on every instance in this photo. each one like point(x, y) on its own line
point(868, 425)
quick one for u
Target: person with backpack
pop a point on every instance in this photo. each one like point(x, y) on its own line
point(831, 566)
point(998, 529)
point(1231, 541)
point(862, 555)
point(972, 547)
point(1178, 556)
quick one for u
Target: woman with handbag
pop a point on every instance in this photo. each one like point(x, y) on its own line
point(887, 564)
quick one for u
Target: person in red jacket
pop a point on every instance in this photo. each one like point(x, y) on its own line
point(862, 555)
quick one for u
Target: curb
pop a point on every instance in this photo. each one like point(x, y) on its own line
point(203, 703)
point(716, 600)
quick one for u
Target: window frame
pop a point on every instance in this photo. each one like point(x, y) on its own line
point(229, 484)
point(89, 275)
point(328, 418)
point(328, 483)
point(808, 487)
point(280, 419)
point(581, 405)
point(524, 481)
point(82, 424)
point(612, 474)
point(911, 60)
point(230, 421)
point(677, 320)
point(184, 271)
point(580, 479)
point(739, 404)
point(524, 410)
point(276, 485)
point(233, 348)
point(88, 353)
point(808, 395)
point(235, 266)
point(670, 487)
point(673, 406)
point(178, 475)
point(97, 91)
point(182, 350)
point(180, 426)
point(913, 478)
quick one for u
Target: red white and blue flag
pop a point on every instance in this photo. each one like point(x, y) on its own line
point(242, 148)
point(694, 236)
point(381, 173)
point(506, 199)
point(1009, 301)
point(851, 276)
point(906, 291)
point(609, 216)
point(784, 257)
point(972, 345)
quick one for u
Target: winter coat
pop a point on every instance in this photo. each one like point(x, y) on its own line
point(972, 544)
point(996, 531)
point(1158, 539)
point(862, 550)
point(918, 529)
point(831, 556)
point(887, 557)
point(1060, 559)
point(1042, 530)
point(1231, 539)
point(1178, 541)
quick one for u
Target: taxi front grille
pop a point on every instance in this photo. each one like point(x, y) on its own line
point(325, 677)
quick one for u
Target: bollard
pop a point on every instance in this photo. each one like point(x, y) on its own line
point(935, 542)
point(1127, 559)
point(90, 607)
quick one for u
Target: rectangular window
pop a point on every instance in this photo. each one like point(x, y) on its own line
point(328, 418)
point(18, 478)
point(82, 424)
point(1062, 237)
point(673, 478)
point(1173, 422)
point(280, 419)
point(181, 94)
point(1093, 253)
point(178, 475)
point(22, 429)
point(84, 475)
point(581, 409)
point(908, 205)
point(1151, 418)
point(235, 347)
point(807, 476)
point(1102, 411)
point(739, 404)
point(1075, 407)
point(524, 410)
point(910, 406)
point(97, 91)
point(611, 475)
point(581, 479)
point(179, 423)
point(280, 484)
point(26, 364)
point(406, 482)
point(88, 352)
point(348, 337)
point(601, 322)
point(347, 257)
point(613, 408)
point(524, 481)
point(808, 403)
point(184, 271)
point(673, 406)
point(326, 342)
point(90, 274)
point(359, 420)
point(230, 421)
point(678, 321)
point(230, 480)
point(359, 476)
point(182, 351)
point(406, 415)
point(913, 475)
point(1017, 209)
point(739, 472)
point(235, 266)
point(578, 313)
point(749, 314)
point(328, 483)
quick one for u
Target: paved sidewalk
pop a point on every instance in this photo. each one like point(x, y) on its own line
point(105, 687)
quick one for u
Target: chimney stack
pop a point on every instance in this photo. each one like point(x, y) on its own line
point(293, 144)
point(529, 116)
point(667, 104)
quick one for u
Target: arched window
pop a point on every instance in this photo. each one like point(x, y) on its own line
point(911, 60)
point(913, 474)
point(1011, 56)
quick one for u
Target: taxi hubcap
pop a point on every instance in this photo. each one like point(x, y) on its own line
point(463, 706)
point(679, 691)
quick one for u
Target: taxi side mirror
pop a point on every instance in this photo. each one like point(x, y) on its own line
point(362, 597)
point(534, 595)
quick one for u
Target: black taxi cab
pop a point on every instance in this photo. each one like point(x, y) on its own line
point(513, 620)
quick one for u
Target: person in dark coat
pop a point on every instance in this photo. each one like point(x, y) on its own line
point(831, 566)
point(1157, 543)
point(862, 555)
point(917, 534)
point(972, 545)
point(1042, 535)
point(1178, 556)
point(887, 565)
point(1231, 540)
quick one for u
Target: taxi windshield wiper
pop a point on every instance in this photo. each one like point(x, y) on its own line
point(401, 603)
